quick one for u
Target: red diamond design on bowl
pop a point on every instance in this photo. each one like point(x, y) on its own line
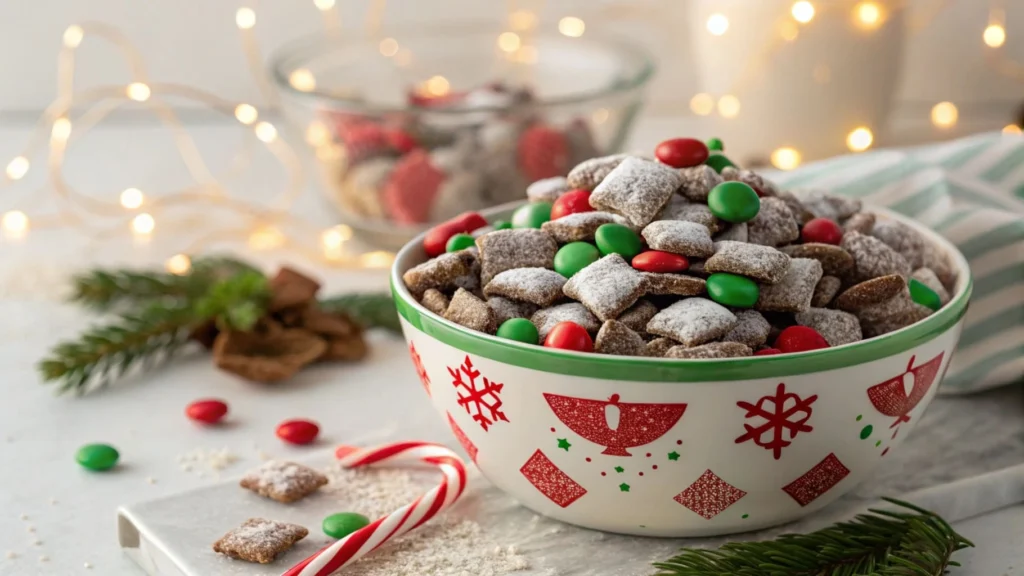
point(551, 481)
point(818, 480)
point(709, 495)
point(467, 444)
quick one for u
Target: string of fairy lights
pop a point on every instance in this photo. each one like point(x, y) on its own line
point(274, 227)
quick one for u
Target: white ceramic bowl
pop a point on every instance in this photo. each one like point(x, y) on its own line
point(666, 447)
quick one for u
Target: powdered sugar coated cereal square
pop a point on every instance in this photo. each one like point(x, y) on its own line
point(774, 224)
point(762, 263)
point(538, 286)
point(637, 189)
point(547, 189)
point(614, 337)
point(679, 237)
point(872, 257)
point(588, 174)
point(751, 329)
point(546, 318)
point(606, 287)
point(467, 310)
point(697, 182)
point(836, 326)
point(283, 481)
point(709, 351)
point(580, 227)
point(679, 208)
point(693, 321)
point(794, 291)
point(520, 248)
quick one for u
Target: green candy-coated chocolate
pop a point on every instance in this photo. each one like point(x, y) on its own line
point(531, 215)
point(460, 242)
point(501, 225)
point(732, 290)
point(344, 523)
point(718, 161)
point(618, 239)
point(923, 295)
point(734, 202)
point(520, 330)
point(715, 144)
point(97, 456)
point(575, 256)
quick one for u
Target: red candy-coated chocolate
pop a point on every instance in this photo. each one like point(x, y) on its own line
point(437, 238)
point(569, 336)
point(401, 141)
point(411, 188)
point(572, 202)
point(682, 152)
point(297, 431)
point(768, 352)
point(543, 152)
point(800, 339)
point(657, 261)
point(207, 411)
point(822, 230)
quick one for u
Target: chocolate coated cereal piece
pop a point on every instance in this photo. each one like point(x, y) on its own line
point(581, 226)
point(614, 337)
point(448, 271)
point(751, 329)
point(697, 269)
point(674, 284)
point(546, 318)
point(937, 259)
point(903, 239)
point(638, 315)
point(898, 312)
point(518, 248)
point(863, 222)
point(824, 205)
point(637, 189)
point(283, 481)
point(834, 260)
point(259, 540)
point(505, 309)
point(774, 224)
point(760, 184)
point(737, 232)
point(870, 292)
point(606, 287)
point(928, 277)
point(836, 326)
point(693, 321)
point(679, 208)
point(679, 237)
point(710, 350)
point(588, 174)
point(698, 181)
point(538, 286)
point(469, 311)
point(872, 257)
point(762, 263)
point(826, 291)
point(435, 301)
point(547, 189)
point(801, 214)
point(658, 347)
point(794, 291)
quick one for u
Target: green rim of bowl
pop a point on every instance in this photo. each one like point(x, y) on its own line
point(639, 369)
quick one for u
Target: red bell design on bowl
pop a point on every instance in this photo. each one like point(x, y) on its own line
point(892, 397)
point(613, 424)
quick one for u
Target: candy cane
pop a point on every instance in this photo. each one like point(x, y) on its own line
point(367, 539)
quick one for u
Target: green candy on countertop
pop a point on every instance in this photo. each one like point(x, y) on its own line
point(618, 239)
point(531, 215)
point(459, 242)
point(520, 330)
point(719, 161)
point(734, 202)
point(344, 523)
point(575, 256)
point(98, 457)
point(732, 290)
point(923, 295)
point(715, 144)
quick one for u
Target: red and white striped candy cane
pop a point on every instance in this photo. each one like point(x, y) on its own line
point(367, 539)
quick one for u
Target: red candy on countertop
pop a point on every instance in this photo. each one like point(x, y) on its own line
point(660, 262)
point(543, 152)
point(768, 352)
point(572, 202)
point(682, 152)
point(208, 411)
point(822, 230)
point(800, 339)
point(410, 190)
point(298, 431)
point(436, 240)
point(569, 336)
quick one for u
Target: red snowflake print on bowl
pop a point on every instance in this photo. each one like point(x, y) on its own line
point(478, 394)
point(551, 481)
point(891, 397)
point(776, 417)
point(613, 424)
point(709, 495)
point(817, 480)
point(460, 435)
point(420, 369)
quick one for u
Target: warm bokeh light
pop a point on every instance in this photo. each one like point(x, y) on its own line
point(526, 55)
point(323, 5)
point(717, 24)
point(572, 26)
point(945, 114)
point(702, 104)
point(403, 58)
point(73, 36)
point(302, 80)
point(378, 259)
point(266, 132)
point(178, 264)
point(600, 116)
point(803, 11)
point(822, 74)
point(522, 20)
point(317, 134)
point(508, 41)
point(17, 168)
point(436, 86)
point(335, 236)
point(246, 113)
point(245, 18)
point(14, 223)
point(61, 129)
point(729, 106)
point(789, 30)
point(859, 139)
point(785, 158)
point(138, 91)
point(868, 15)
point(389, 47)
point(1011, 129)
point(266, 238)
point(143, 224)
point(994, 36)
point(132, 198)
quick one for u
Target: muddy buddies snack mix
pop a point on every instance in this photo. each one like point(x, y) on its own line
point(635, 256)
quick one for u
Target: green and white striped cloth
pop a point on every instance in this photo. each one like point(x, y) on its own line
point(972, 192)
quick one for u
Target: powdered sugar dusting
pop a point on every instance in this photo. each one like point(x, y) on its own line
point(692, 321)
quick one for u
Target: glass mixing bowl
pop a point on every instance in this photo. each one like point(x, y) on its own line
point(413, 127)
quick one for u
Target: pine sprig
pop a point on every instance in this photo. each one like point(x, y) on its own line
point(881, 543)
point(371, 309)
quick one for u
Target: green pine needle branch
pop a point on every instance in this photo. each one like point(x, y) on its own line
point(881, 543)
point(371, 309)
